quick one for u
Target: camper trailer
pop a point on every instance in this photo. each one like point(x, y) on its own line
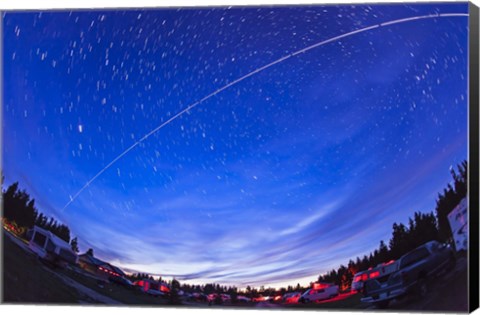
point(458, 220)
point(50, 248)
point(319, 291)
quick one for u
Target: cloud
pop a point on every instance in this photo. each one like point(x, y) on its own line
point(325, 210)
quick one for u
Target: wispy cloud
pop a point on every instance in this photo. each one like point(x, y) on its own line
point(308, 220)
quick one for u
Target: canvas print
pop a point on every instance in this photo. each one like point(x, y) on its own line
point(283, 157)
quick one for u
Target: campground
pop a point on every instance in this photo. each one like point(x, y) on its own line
point(27, 280)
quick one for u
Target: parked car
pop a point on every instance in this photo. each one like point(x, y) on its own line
point(415, 269)
point(319, 293)
point(215, 298)
point(381, 270)
point(220, 297)
point(197, 296)
point(277, 298)
point(211, 297)
point(155, 292)
point(292, 297)
point(225, 297)
point(358, 281)
point(258, 299)
point(243, 299)
point(122, 281)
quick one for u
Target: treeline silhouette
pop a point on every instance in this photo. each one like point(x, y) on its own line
point(423, 227)
point(141, 276)
point(210, 288)
point(19, 208)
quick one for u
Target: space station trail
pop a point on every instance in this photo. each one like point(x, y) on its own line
point(240, 79)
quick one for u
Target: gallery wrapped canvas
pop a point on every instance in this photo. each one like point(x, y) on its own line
point(284, 157)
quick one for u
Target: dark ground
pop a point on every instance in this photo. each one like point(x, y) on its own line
point(26, 280)
point(448, 293)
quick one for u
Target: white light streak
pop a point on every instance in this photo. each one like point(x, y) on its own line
point(271, 64)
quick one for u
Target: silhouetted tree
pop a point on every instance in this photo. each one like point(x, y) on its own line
point(18, 207)
point(233, 297)
point(74, 244)
point(383, 252)
point(173, 298)
point(399, 241)
point(41, 220)
point(209, 288)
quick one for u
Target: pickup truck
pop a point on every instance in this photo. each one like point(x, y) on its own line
point(380, 271)
point(414, 270)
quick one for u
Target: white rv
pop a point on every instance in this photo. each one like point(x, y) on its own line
point(50, 247)
point(319, 291)
point(458, 220)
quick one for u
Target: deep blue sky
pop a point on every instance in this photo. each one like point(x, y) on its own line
point(274, 180)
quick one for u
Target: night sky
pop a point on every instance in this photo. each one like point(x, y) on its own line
point(271, 181)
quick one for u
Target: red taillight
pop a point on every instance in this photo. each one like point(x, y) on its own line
point(374, 274)
point(164, 288)
point(364, 277)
